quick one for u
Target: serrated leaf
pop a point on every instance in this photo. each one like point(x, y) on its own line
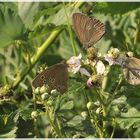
point(8, 130)
point(67, 106)
point(12, 27)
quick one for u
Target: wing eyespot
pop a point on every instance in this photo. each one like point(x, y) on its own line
point(42, 77)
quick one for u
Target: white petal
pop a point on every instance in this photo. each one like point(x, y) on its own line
point(109, 60)
point(100, 67)
point(84, 72)
point(79, 56)
point(76, 69)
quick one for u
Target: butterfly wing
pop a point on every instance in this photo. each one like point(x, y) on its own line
point(55, 77)
point(131, 77)
point(133, 63)
point(132, 70)
point(88, 30)
point(79, 22)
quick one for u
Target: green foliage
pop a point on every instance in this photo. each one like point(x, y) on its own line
point(38, 34)
point(116, 9)
point(12, 27)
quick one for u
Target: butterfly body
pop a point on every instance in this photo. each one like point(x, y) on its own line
point(89, 30)
point(55, 77)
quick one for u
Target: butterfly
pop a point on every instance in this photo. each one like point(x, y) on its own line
point(55, 77)
point(131, 69)
point(89, 30)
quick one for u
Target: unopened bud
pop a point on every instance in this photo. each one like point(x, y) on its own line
point(54, 92)
point(37, 90)
point(34, 114)
point(43, 89)
point(45, 96)
point(90, 105)
point(84, 114)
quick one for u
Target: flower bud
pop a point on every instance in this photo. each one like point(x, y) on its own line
point(98, 110)
point(76, 136)
point(90, 105)
point(92, 121)
point(43, 89)
point(92, 53)
point(54, 92)
point(97, 103)
point(130, 54)
point(114, 53)
point(34, 114)
point(94, 80)
point(45, 96)
point(84, 114)
point(37, 90)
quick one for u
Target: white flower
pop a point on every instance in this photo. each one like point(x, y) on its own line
point(74, 63)
point(97, 78)
point(100, 67)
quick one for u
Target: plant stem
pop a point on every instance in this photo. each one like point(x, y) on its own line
point(36, 57)
point(70, 32)
point(104, 112)
point(98, 128)
point(118, 85)
point(113, 131)
point(55, 127)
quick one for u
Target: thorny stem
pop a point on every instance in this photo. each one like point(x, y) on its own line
point(118, 85)
point(70, 32)
point(55, 127)
point(104, 110)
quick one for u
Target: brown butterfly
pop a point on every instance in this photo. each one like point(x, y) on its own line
point(131, 70)
point(89, 30)
point(55, 77)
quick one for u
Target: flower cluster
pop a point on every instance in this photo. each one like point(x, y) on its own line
point(75, 65)
point(43, 93)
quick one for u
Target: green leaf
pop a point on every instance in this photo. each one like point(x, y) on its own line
point(61, 14)
point(118, 8)
point(77, 120)
point(27, 11)
point(12, 27)
point(75, 86)
point(9, 128)
point(67, 106)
